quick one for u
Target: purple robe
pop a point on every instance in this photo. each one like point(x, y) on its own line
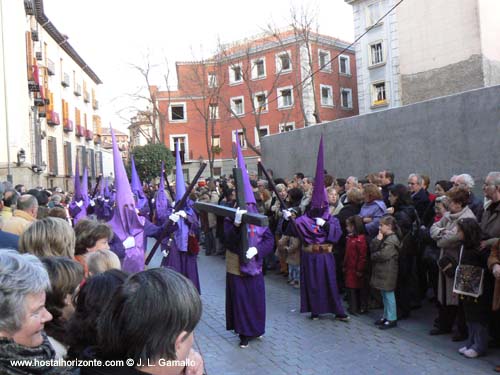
point(319, 292)
point(180, 260)
point(246, 295)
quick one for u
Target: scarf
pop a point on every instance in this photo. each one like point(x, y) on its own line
point(9, 351)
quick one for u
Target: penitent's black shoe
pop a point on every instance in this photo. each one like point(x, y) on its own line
point(389, 324)
point(380, 321)
point(244, 341)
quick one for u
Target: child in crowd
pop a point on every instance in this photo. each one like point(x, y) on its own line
point(477, 310)
point(384, 257)
point(290, 246)
point(101, 261)
point(355, 264)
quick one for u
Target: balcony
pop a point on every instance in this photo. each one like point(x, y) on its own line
point(33, 86)
point(42, 114)
point(39, 102)
point(53, 118)
point(65, 80)
point(86, 97)
point(78, 90)
point(68, 125)
point(39, 56)
point(34, 36)
point(89, 135)
point(29, 8)
point(95, 104)
point(51, 67)
point(80, 131)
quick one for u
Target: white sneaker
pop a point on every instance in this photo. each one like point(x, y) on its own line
point(462, 350)
point(471, 353)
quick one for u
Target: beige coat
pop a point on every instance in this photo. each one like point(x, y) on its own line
point(18, 223)
point(444, 232)
point(492, 260)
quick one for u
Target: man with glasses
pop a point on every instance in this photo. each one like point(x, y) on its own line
point(465, 181)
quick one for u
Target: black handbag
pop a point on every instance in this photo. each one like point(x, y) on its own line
point(447, 265)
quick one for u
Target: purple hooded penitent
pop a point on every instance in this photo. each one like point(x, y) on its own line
point(255, 233)
point(182, 233)
point(142, 200)
point(127, 225)
point(306, 224)
point(78, 206)
point(161, 202)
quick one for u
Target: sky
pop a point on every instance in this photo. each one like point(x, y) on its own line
point(114, 35)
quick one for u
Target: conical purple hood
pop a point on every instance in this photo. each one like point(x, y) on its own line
point(137, 186)
point(180, 185)
point(85, 186)
point(78, 190)
point(319, 198)
point(161, 202)
point(125, 222)
point(249, 197)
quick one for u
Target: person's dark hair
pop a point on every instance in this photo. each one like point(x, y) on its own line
point(18, 188)
point(228, 193)
point(445, 184)
point(65, 276)
point(402, 194)
point(472, 233)
point(58, 212)
point(147, 314)
point(278, 181)
point(458, 195)
point(253, 183)
point(357, 224)
point(9, 197)
point(389, 175)
point(89, 302)
point(341, 182)
point(41, 197)
point(299, 175)
point(88, 232)
point(329, 180)
point(295, 196)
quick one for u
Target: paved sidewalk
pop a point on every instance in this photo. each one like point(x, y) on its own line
point(293, 344)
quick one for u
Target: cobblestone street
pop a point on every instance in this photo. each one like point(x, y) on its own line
point(293, 344)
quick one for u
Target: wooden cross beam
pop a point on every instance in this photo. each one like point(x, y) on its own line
point(247, 218)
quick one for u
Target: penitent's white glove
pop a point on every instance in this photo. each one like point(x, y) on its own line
point(129, 242)
point(320, 222)
point(79, 204)
point(174, 217)
point(182, 214)
point(251, 252)
point(239, 215)
point(286, 214)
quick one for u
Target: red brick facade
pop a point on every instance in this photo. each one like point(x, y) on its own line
point(262, 66)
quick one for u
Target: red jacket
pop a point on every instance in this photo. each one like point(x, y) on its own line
point(355, 261)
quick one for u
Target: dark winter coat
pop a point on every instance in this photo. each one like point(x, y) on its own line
point(384, 259)
point(355, 261)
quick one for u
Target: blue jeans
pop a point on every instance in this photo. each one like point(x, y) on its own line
point(293, 272)
point(390, 312)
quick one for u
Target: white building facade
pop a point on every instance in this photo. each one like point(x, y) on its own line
point(51, 102)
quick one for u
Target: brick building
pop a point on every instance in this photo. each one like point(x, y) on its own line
point(256, 87)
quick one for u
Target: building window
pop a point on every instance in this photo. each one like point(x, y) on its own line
point(258, 68)
point(217, 171)
point(213, 111)
point(325, 64)
point(372, 14)
point(235, 74)
point(212, 80)
point(346, 98)
point(260, 102)
point(285, 97)
point(379, 94)
point(177, 112)
point(287, 127)
point(216, 141)
point(377, 55)
point(52, 150)
point(68, 164)
point(283, 62)
point(241, 139)
point(344, 65)
point(183, 145)
point(237, 106)
point(326, 95)
point(263, 131)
